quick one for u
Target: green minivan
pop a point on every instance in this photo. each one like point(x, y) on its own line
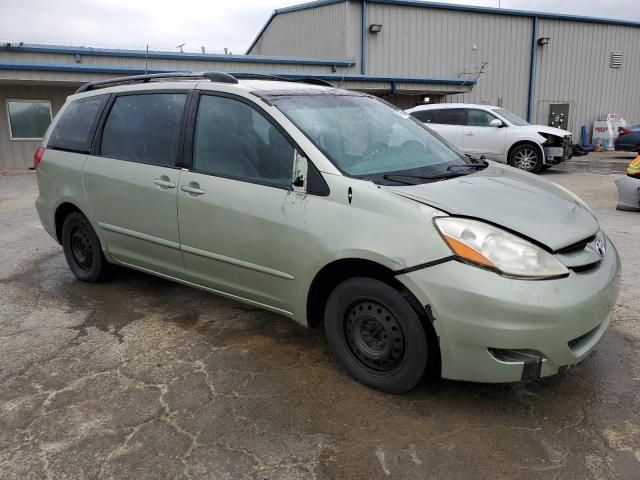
point(336, 209)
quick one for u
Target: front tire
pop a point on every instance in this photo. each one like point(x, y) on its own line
point(82, 249)
point(526, 157)
point(376, 335)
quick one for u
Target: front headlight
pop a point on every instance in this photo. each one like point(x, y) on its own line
point(491, 247)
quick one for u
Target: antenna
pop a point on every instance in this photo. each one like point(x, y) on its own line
point(475, 74)
point(352, 62)
point(180, 47)
point(203, 49)
point(146, 60)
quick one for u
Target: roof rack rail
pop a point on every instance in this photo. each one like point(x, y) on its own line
point(288, 78)
point(213, 76)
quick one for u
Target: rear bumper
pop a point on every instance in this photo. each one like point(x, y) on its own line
point(626, 147)
point(485, 321)
point(628, 194)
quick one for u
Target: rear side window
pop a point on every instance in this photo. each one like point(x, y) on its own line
point(425, 116)
point(75, 128)
point(450, 116)
point(144, 128)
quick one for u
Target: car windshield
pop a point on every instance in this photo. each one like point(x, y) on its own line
point(511, 117)
point(365, 137)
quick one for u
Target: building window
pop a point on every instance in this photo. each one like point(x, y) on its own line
point(28, 119)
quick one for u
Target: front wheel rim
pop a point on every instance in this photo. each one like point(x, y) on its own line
point(526, 159)
point(375, 336)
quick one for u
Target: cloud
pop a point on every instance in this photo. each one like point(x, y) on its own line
point(214, 24)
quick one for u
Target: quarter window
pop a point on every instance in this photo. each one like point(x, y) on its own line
point(234, 140)
point(28, 119)
point(479, 118)
point(425, 116)
point(144, 128)
point(75, 128)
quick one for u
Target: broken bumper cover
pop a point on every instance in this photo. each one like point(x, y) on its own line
point(559, 151)
point(495, 329)
point(628, 194)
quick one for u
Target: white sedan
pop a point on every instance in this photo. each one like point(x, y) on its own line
point(497, 134)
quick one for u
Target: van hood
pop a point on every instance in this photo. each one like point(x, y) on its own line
point(513, 199)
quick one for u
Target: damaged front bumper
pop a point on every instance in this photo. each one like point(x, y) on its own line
point(495, 329)
point(557, 149)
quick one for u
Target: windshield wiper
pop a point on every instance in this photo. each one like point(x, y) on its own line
point(390, 177)
point(482, 160)
point(473, 166)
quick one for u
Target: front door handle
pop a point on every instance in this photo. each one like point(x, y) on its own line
point(164, 182)
point(469, 134)
point(193, 189)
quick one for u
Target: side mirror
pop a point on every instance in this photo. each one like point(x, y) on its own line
point(300, 172)
point(497, 123)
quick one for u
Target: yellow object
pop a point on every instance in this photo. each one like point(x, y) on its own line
point(634, 167)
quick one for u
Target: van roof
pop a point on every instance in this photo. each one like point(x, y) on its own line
point(265, 87)
point(188, 80)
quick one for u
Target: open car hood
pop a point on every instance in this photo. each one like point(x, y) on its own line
point(513, 199)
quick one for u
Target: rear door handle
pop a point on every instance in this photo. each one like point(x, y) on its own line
point(161, 182)
point(192, 188)
point(469, 134)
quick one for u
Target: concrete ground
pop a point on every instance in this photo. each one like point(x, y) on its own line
point(143, 378)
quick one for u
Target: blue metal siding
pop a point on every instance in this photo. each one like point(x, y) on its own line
point(532, 70)
point(104, 52)
point(363, 42)
point(51, 67)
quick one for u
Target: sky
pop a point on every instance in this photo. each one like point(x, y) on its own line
point(213, 24)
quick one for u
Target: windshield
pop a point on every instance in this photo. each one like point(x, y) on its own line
point(366, 138)
point(511, 117)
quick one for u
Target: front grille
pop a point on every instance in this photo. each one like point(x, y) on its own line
point(574, 247)
point(580, 256)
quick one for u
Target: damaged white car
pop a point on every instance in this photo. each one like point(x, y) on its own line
point(497, 134)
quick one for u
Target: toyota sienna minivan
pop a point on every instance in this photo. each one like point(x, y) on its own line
point(337, 210)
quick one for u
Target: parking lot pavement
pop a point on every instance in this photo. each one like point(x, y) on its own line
point(142, 378)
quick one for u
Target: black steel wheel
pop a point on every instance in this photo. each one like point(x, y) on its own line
point(376, 335)
point(82, 249)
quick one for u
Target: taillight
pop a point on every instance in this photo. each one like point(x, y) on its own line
point(37, 157)
point(623, 131)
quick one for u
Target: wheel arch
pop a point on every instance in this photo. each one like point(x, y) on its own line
point(336, 272)
point(529, 141)
point(62, 211)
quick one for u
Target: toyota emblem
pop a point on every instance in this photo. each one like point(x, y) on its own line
point(600, 247)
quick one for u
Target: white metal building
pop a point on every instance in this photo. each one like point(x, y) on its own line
point(528, 62)
point(524, 61)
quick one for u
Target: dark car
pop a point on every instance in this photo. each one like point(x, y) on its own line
point(629, 139)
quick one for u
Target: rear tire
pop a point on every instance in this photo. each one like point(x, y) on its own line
point(527, 157)
point(376, 335)
point(82, 249)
